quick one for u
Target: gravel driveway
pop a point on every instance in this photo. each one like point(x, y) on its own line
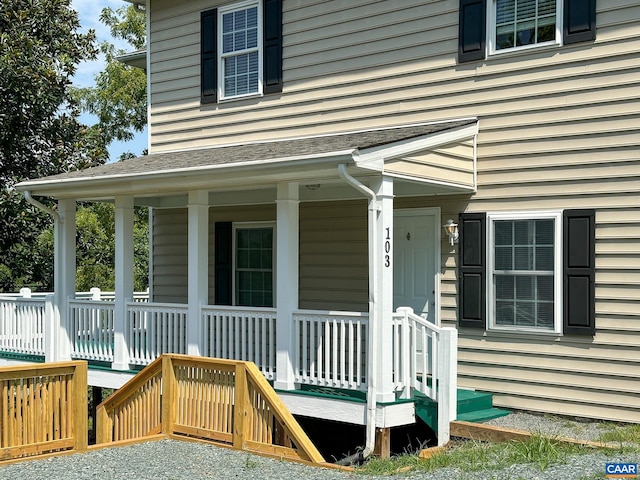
point(178, 460)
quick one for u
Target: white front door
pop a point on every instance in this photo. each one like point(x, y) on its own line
point(416, 254)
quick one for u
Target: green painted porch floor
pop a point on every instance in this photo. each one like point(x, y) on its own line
point(472, 406)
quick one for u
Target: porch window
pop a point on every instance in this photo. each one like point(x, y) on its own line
point(254, 266)
point(525, 262)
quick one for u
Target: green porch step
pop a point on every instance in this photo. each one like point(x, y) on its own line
point(472, 406)
point(483, 415)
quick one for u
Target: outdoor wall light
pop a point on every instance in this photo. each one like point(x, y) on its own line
point(451, 229)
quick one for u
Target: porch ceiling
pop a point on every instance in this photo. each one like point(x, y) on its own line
point(440, 154)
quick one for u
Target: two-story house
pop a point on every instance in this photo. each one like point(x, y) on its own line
point(316, 164)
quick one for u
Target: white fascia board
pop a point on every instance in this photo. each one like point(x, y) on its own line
point(374, 158)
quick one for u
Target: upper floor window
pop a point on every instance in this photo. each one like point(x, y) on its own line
point(497, 26)
point(241, 50)
point(519, 23)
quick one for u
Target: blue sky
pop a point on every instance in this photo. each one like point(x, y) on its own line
point(89, 13)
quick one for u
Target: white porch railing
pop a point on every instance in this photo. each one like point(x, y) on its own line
point(240, 333)
point(331, 348)
point(328, 348)
point(155, 328)
point(22, 325)
point(91, 329)
point(425, 358)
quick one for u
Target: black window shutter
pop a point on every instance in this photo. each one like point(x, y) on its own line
point(472, 270)
point(579, 272)
point(472, 30)
point(579, 21)
point(272, 33)
point(223, 263)
point(209, 56)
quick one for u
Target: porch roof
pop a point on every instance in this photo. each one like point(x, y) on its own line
point(278, 160)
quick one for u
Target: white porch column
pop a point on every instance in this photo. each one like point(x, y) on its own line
point(198, 266)
point(287, 228)
point(383, 188)
point(124, 278)
point(64, 280)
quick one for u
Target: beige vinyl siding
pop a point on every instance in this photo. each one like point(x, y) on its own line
point(333, 252)
point(452, 164)
point(596, 377)
point(170, 255)
point(559, 129)
point(341, 73)
point(333, 256)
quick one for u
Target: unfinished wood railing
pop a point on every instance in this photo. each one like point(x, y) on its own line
point(220, 400)
point(43, 409)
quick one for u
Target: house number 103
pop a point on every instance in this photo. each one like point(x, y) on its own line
point(387, 249)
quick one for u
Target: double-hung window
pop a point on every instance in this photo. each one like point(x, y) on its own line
point(254, 262)
point(520, 23)
point(240, 50)
point(488, 27)
point(525, 272)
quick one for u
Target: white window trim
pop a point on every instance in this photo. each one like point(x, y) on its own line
point(491, 33)
point(260, 48)
point(247, 225)
point(556, 215)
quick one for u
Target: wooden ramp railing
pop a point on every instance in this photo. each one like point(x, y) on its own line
point(225, 401)
point(43, 409)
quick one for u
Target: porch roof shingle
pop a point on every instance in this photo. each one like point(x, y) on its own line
point(249, 153)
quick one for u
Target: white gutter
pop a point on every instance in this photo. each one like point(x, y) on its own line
point(373, 310)
point(44, 208)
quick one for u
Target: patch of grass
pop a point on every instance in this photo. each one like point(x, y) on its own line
point(250, 463)
point(476, 456)
point(629, 433)
point(541, 451)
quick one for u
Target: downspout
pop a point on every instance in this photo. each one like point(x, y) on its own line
point(51, 309)
point(373, 314)
point(56, 216)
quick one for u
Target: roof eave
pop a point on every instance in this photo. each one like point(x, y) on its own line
point(263, 171)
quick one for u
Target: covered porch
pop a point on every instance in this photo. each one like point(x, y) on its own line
point(383, 349)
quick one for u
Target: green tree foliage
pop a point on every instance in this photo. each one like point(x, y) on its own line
point(119, 100)
point(119, 97)
point(95, 247)
point(40, 49)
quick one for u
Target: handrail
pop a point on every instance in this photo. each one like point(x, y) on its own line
point(220, 400)
point(443, 351)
